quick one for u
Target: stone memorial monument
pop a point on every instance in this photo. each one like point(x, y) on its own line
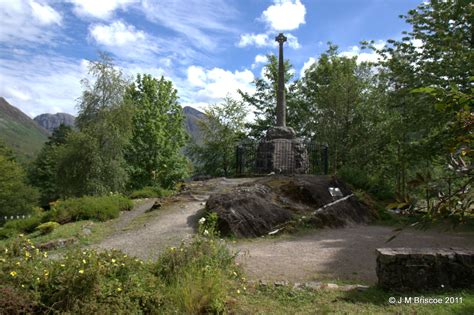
point(280, 151)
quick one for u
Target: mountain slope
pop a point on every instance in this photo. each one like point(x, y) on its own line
point(193, 116)
point(20, 132)
point(53, 121)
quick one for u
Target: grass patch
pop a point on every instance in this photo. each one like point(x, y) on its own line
point(150, 192)
point(284, 300)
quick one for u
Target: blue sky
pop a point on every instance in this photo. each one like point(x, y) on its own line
point(208, 48)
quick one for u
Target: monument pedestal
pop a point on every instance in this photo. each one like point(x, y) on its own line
point(282, 152)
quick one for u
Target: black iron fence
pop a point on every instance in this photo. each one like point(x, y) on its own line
point(251, 158)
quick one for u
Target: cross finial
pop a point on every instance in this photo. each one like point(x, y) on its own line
point(281, 38)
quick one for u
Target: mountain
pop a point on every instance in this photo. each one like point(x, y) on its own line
point(193, 116)
point(53, 121)
point(20, 132)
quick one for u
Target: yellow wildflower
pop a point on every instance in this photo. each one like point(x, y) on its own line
point(13, 273)
point(45, 254)
point(46, 272)
point(38, 279)
point(63, 265)
point(21, 235)
point(84, 261)
point(27, 254)
point(119, 289)
point(113, 260)
point(81, 271)
point(238, 291)
point(17, 263)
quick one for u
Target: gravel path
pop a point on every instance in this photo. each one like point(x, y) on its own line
point(346, 254)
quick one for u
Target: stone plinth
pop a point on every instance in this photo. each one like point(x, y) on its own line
point(281, 152)
point(424, 269)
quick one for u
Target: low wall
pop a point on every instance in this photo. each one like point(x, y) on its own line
point(425, 268)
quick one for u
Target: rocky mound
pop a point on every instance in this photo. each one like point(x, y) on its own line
point(268, 204)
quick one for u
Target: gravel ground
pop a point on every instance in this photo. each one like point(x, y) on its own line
point(345, 254)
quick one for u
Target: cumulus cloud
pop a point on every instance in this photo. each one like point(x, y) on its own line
point(307, 65)
point(116, 34)
point(45, 14)
point(259, 59)
point(285, 15)
point(28, 22)
point(100, 9)
point(265, 40)
point(207, 86)
point(363, 56)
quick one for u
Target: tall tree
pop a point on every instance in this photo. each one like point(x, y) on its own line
point(154, 154)
point(43, 173)
point(104, 124)
point(16, 196)
point(222, 129)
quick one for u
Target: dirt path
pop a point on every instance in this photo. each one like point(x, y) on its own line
point(146, 235)
point(346, 254)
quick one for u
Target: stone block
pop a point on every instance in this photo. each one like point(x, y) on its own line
point(413, 269)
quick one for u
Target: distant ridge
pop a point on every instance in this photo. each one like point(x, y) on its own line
point(193, 116)
point(53, 121)
point(20, 132)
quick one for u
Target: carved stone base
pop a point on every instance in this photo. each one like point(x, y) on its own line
point(281, 152)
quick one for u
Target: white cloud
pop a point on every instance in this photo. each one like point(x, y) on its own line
point(202, 22)
point(363, 56)
point(285, 15)
point(28, 22)
point(265, 40)
point(259, 40)
point(45, 14)
point(212, 85)
point(42, 84)
point(259, 59)
point(100, 9)
point(306, 66)
point(116, 34)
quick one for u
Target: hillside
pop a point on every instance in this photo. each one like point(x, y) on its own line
point(53, 121)
point(20, 132)
point(193, 116)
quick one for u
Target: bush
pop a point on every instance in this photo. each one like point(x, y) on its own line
point(88, 208)
point(192, 279)
point(150, 192)
point(361, 180)
point(47, 227)
point(24, 225)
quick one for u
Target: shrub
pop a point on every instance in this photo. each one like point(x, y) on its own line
point(47, 227)
point(88, 208)
point(27, 225)
point(195, 278)
point(361, 180)
point(150, 192)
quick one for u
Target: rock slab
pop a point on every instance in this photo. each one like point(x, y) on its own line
point(409, 269)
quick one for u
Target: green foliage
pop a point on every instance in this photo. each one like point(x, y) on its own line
point(154, 154)
point(193, 279)
point(208, 225)
point(47, 227)
point(88, 208)
point(43, 172)
point(198, 277)
point(222, 129)
point(91, 162)
point(150, 192)
point(24, 225)
point(16, 197)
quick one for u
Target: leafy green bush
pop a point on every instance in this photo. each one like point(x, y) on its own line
point(192, 279)
point(150, 192)
point(361, 180)
point(47, 227)
point(27, 225)
point(88, 208)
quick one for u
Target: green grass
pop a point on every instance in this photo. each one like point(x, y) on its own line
point(284, 300)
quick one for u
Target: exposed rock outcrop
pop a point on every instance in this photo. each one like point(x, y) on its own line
point(53, 121)
point(255, 209)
